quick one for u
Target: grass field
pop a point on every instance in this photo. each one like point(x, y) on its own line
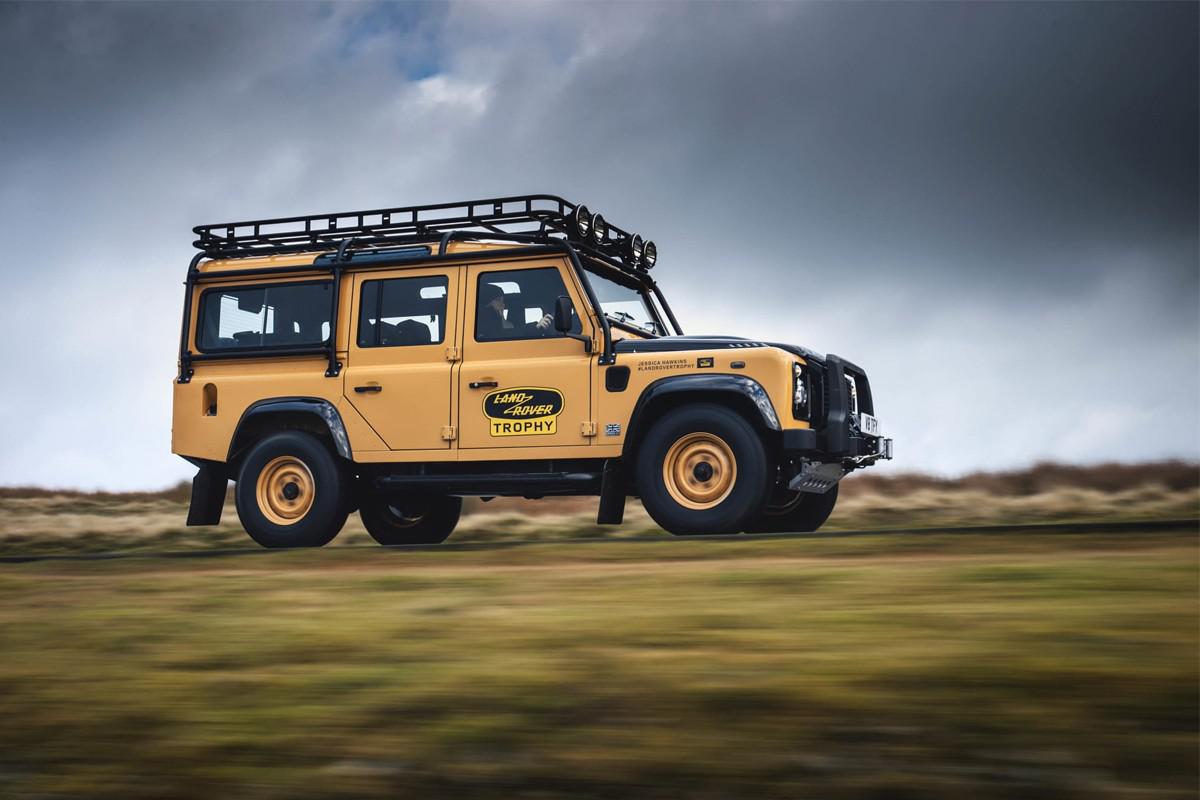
point(602, 662)
point(1043, 666)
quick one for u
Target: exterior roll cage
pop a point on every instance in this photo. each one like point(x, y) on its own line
point(369, 233)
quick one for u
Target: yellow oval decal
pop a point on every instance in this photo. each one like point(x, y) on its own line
point(523, 411)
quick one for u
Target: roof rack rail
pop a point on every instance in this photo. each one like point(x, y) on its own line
point(542, 217)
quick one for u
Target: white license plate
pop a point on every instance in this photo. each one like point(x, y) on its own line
point(869, 425)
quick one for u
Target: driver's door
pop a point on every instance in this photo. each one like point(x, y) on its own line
point(521, 385)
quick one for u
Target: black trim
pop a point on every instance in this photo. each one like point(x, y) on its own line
point(185, 353)
point(672, 344)
point(519, 484)
point(314, 406)
point(616, 379)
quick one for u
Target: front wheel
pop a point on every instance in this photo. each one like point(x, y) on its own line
point(702, 469)
point(799, 512)
point(410, 520)
point(291, 492)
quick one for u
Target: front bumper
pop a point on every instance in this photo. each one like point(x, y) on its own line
point(835, 437)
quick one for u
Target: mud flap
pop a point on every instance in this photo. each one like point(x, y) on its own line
point(612, 495)
point(208, 495)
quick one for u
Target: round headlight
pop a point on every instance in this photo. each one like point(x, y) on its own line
point(634, 249)
point(599, 229)
point(649, 255)
point(581, 221)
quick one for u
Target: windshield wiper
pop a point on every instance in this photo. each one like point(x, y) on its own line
point(623, 319)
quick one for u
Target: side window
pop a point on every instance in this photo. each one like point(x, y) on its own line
point(518, 304)
point(263, 317)
point(403, 311)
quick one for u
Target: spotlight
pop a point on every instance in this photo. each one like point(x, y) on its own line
point(581, 221)
point(649, 255)
point(599, 229)
point(633, 250)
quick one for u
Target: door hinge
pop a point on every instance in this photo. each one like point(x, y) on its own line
point(587, 429)
point(453, 354)
point(449, 433)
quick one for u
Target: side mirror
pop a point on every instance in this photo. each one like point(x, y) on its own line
point(562, 314)
point(562, 322)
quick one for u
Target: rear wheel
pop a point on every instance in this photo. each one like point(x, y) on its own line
point(291, 492)
point(795, 512)
point(410, 519)
point(702, 469)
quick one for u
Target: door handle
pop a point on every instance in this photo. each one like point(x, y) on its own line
point(374, 387)
point(483, 384)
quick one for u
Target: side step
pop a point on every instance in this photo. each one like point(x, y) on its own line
point(522, 484)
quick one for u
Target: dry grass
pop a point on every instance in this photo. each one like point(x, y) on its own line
point(45, 521)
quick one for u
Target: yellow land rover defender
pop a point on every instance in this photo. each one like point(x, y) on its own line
point(394, 361)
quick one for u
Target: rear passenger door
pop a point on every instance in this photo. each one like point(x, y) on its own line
point(399, 375)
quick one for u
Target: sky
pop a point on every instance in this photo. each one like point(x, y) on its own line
point(991, 207)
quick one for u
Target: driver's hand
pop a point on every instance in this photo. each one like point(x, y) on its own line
point(545, 322)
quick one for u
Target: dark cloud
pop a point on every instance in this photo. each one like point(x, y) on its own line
point(991, 206)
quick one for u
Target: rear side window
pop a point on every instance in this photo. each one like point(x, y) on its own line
point(285, 315)
point(403, 311)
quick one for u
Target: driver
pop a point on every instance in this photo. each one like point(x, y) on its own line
point(492, 324)
point(491, 321)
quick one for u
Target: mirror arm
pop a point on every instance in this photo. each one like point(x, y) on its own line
point(587, 341)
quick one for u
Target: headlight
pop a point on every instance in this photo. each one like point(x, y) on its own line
point(800, 394)
point(852, 394)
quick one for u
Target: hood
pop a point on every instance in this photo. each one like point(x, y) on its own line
point(672, 344)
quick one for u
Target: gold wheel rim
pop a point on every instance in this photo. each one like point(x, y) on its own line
point(285, 490)
point(699, 471)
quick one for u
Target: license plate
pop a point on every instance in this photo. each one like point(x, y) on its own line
point(868, 425)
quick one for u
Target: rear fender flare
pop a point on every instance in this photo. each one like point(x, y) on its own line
point(314, 407)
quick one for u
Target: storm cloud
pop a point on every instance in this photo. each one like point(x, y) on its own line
point(991, 207)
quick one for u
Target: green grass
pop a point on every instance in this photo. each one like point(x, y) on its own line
point(941, 667)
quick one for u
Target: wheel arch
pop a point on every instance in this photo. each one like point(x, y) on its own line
point(313, 415)
point(739, 393)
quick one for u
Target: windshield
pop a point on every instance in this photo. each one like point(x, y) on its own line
point(625, 306)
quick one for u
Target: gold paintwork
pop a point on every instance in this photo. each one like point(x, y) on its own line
point(687, 485)
point(426, 394)
point(272, 489)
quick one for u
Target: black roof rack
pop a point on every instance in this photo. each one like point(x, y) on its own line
point(541, 217)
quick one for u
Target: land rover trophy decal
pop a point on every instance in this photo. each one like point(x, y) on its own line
point(523, 411)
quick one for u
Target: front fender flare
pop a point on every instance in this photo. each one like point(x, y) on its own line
point(702, 387)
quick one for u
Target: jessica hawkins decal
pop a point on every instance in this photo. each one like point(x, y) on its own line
point(523, 411)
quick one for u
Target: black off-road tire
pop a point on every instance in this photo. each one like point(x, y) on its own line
point(686, 497)
point(410, 520)
point(801, 514)
point(311, 511)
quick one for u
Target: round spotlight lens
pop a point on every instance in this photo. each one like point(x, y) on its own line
point(599, 229)
point(581, 220)
point(649, 255)
point(633, 250)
